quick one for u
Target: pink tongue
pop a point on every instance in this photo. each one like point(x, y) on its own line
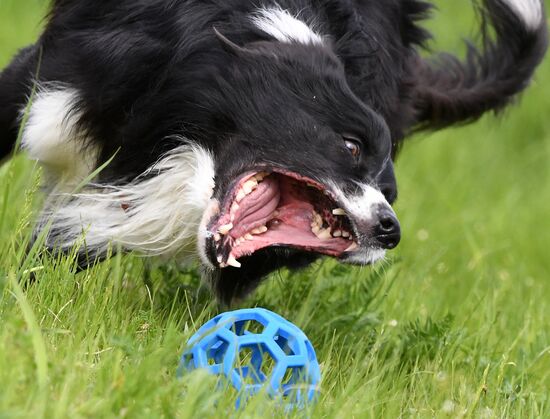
point(257, 208)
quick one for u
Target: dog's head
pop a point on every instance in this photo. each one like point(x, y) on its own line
point(304, 168)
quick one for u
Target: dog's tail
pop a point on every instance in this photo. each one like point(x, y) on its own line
point(449, 91)
point(15, 88)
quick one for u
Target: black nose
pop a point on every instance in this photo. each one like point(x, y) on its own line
point(387, 232)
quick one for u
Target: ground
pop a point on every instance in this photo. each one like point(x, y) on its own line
point(455, 323)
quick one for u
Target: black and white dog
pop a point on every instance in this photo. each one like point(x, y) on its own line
point(250, 135)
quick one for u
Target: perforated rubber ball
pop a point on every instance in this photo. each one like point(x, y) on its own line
point(255, 350)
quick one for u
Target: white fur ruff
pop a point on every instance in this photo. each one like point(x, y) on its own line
point(157, 214)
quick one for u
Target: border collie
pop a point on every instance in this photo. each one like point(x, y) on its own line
point(248, 135)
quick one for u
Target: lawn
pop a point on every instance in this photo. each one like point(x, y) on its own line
point(455, 323)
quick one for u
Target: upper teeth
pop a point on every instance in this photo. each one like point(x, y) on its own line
point(240, 195)
point(261, 176)
point(338, 211)
point(225, 229)
point(259, 230)
point(250, 185)
point(325, 233)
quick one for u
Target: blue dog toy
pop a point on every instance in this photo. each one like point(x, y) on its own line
point(255, 347)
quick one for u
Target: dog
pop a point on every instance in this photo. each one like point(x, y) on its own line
point(247, 135)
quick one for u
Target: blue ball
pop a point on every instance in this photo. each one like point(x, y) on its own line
point(256, 349)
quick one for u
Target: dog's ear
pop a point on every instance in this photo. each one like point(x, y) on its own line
point(450, 91)
point(230, 46)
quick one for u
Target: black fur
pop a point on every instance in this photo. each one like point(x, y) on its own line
point(15, 88)
point(148, 71)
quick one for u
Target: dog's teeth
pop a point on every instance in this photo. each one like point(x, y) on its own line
point(259, 230)
point(317, 219)
point(345, 234)
point(338, 211)
point(315, 229)
point(263, 229)
point(276, 214)
point(352, 247)
point(223, 265)
point(233, 262)
point(235, 207)
point(324, 234)
point(249, 236)
point(220, 259)
point(337, 233)
point(249, 186)
point(240, 195)
point(261, 176)
point(217, 237)
point(225, 229)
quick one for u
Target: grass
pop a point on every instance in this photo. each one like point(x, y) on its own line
point(455, 324)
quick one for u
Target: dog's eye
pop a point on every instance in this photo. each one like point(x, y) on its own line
point(353, 145)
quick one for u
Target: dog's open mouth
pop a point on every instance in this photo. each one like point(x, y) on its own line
point(280, 209)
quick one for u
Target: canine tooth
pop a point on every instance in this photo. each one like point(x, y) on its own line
point(240, 195)
point(338, 211)
point(324, 234)
point(249, 236)
point(352, 247)
point(233, 262)
point(249, 186)
point(345, 234)
point(225, 229)
point(337, 233)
